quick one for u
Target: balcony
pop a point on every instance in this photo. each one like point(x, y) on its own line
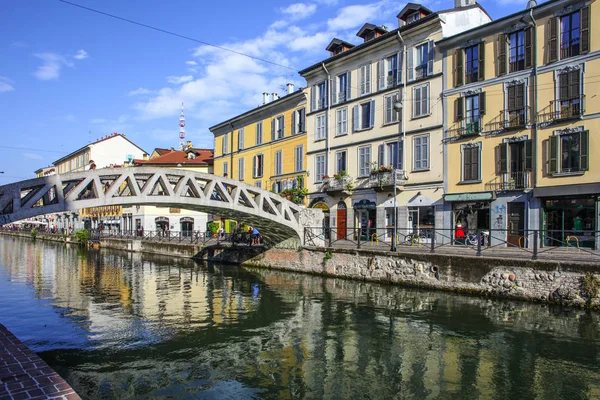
point(341, 184)
point(512, 181)
point(384, 180)
point(421, 71)
point(560, 110)
point(508, 120)
point(467, 129)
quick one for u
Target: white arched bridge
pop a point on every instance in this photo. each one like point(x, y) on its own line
point(277, 218)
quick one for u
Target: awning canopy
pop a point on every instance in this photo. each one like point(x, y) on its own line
point(416, 198)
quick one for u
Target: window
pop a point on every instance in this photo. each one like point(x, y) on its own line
point(319, 167)
point(472, 124)
point(363, 116)
point(570, 35)
point(241, 139)
point(299, 158)
point(341, 88)
point(364, 161)
point(420, 61)
point(421, 152)
point(299, 121)
point(241, 169)
point(226, 143)
point(258, 184)
point(278, 162)
point(277, 128)
point(515, 101)
point(471, 64)
point(321, 127)
point(520, 51)
point(391, 115)
point(569, 97)
point(470, 158)
point(569, 152)
point(574, 36)
point(341, 121)
point(318, 95)
point(467, 113)
point(257, 165)
point(514, 160)
point(413, 17)
point(277, 187)
point(516, 58)
point(390, 155)
point(340, 161)
point(420, 101)
point(389, 74)
point(259, 133)
point(225, 169)
point(364, 73)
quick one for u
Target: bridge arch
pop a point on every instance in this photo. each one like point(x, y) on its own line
point(278, 219)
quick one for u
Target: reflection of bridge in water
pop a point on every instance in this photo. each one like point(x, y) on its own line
point(277, 218)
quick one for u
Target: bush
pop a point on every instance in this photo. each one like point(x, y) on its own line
point(590, 286)
point(33, 234)
point(213, 227)
point(82, 236)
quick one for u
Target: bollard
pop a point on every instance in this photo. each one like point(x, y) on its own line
point(478, 243)
point(535, 245)
point(358, 238)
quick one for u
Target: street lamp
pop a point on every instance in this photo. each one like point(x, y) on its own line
point(397, 108)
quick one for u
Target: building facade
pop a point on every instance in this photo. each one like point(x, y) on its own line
point(376, 124)
point(266, 147)
point(519, 127)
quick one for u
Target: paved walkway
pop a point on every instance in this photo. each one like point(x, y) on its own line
point(23, 375)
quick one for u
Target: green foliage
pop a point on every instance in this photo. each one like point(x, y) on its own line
point(33, 233)
point(295, 195)
point(590, 286)
point(328, 256)
point(340, 176)
point(82, 236)
point(213, 227)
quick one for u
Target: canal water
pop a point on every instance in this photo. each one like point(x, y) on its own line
point(122, 326)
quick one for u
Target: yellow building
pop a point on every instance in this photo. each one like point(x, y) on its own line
point(266, 146)
point(518, 126)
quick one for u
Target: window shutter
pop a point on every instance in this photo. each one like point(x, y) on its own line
point(584, 43)
point(475, 162)
point(302, 125)
point(380, 157)
point(273, 129)
point(563, 86)
point(400, 157)
point(327, 83)
point(502, 54)
point(511, 98)
point(552, 39)
point(467, 164)
point(294, 122)
point(529, 47)
point(409, 64)
point(503, 158)
point(431, 59)
point(372, 114)
point(481, 61)
point(458, 109)
point(313, 98)
point(574, 84)
point(528, 155)
point(368, 78)
point(400, 66)
point(520, 96)
point(348, 85)
point(254, 174)
point(282, 126)
point(334, 87)
point(381, 74)
point(355, 119)
point(482, 103)
point(584, 141)
point(553, 155)
point(459, 76)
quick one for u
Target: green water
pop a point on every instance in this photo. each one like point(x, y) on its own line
point(122, 326)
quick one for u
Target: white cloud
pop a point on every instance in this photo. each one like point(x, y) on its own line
point(33, 156)
point(192, 63)
point(314, 42)
point(81, 55)
point(5, 84)
point(177, 80)
point(353, 16)
point(52, 64)
point(298, 11)
point(140, 91)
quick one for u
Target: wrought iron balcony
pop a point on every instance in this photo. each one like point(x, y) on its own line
point(336, 184)
point(384, 180)
point(562, 109)
point(508, 119)
point(465, 129)
point(511, 181)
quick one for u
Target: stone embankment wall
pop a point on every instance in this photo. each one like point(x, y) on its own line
point(510, 278)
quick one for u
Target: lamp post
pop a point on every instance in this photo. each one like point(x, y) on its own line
point(397, 108)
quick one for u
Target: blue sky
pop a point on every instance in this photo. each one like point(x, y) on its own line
point(69, 76)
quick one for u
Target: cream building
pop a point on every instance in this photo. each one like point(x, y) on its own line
point(357, 133)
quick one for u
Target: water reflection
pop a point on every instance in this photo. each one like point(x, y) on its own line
point(117, 325)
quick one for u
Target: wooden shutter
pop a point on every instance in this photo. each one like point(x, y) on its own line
point(528, 159)
point(313, 98)
point(584, 144)
point(528, 47)
point(273, 129)
point(563, 86)
point(355, 118)
point(368, 78)
point(294, 122)
point(475, 162)
point(502, 54)
point(400, 66)
point(372, 114)
point(459, 75)
point(302, 122)
point(381, 74)
point(502, 158)
point(467, 164)
point(553, 154)
point(584, 42)
point(552, 39)
point(574, 91)
point(348, 85)
point(409, 64)
point(459, 109)
point(482, 103)
point(380, 155)
point(334, 86)
point(430, 59)
point(481, 61)
point(512, 98)
point(520, 96)
point(282, 126)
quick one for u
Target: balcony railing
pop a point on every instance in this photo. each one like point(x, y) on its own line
point(465, 129)
point(381, 180)
point(392, 80)
point(508, 119)
point(511, 181)
point(562, 109)
point(421, 71)
point(516, 63)
point(336, 185)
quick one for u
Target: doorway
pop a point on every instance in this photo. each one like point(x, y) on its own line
point(341, 227)
point(516, 224)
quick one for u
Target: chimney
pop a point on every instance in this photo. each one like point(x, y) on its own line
point(290, 88)
point(265, 97)
point(275, 96)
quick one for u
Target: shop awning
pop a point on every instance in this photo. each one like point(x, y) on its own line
point(481, 196)
point(416, 198)
point(567, 190)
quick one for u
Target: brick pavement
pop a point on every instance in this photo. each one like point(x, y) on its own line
point(23, 375)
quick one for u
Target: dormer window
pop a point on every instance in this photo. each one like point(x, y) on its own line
point(191, 156)
point(369, 36)
point(413, 17)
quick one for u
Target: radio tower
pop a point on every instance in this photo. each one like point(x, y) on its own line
point(181, 129)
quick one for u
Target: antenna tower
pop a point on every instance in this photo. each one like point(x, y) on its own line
point(181, 128)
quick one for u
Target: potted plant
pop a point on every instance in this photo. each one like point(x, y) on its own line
point(213, 228)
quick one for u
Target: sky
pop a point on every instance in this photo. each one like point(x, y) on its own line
point(69, 76)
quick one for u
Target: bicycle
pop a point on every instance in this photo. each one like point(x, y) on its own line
point(474, 238)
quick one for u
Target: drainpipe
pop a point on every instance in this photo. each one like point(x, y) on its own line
point(404, 76)
point(327, 119)
point(534, 133)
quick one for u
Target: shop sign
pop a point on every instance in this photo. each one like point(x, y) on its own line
point(174, 210)
point(365, 205)
point(186, 219)
point(161, 219)
point(469, 196)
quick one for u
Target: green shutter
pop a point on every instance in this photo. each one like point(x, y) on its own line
point(459, 75)
point(553, 39)
point(553, 155)
point(584, 42)
point(481, 76)
point(584, 163)
point(512, 98)
point(502, 54)
point(529, 47)
point(528, 155)
point(503, 158)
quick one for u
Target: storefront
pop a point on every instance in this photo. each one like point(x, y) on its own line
point(365, 217)
point(471, 210)
point(187, 225)
point(162, 224)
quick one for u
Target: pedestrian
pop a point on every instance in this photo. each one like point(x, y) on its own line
point(255, 236)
